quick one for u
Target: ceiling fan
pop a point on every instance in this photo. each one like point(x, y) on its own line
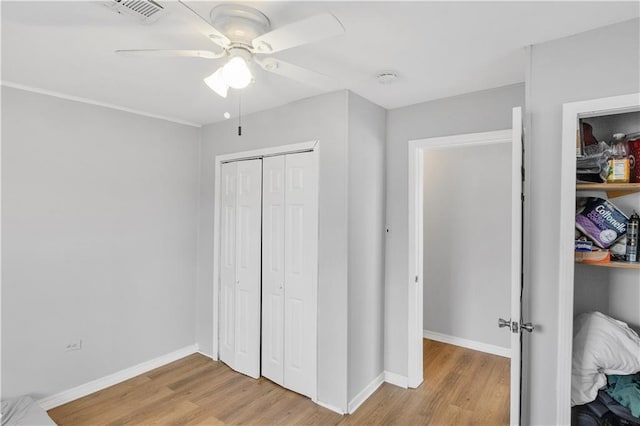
point(243, 34)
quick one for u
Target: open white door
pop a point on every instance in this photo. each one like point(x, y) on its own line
point(415, 249)
point(516, 264)
point(241, 266)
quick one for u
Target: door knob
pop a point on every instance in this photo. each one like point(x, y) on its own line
point(527, 326)
point(513, 326)
point(516, 327)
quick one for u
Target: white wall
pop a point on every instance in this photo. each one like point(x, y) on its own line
point(624, 297)
point(467, 242)
point(600, 63)
point(99, 214)
point(322, 118)
point(591, 290)
point(367, 124)
point(474, 112)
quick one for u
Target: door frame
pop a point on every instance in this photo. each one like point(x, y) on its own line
point(310, 146)
point(417, 150)
point(571, 113)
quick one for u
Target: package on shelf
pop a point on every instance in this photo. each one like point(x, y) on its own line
point(619, 248)
point(594, 256)
point(602, 222)
point(593, 165)
point(582, 245)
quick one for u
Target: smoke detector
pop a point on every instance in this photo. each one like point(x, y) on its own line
point(147, 11)
point(387, 77)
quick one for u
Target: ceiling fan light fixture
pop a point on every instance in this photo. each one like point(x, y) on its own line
point(217, 83)
point(236, 73)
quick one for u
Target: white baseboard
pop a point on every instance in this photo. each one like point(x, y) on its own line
point(113, 379)
point(213, 358)
point(365, 393)
point(396, 379)
point(415, 382)
point(465, 343)
point(330, 407)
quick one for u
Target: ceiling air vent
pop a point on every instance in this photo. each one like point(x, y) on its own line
point(145, 10)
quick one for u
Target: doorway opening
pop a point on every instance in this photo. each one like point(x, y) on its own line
point(417, 151)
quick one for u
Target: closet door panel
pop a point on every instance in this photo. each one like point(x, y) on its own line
point(227, 263)
point(248, 267)
point(273, 269)
point(301, 269)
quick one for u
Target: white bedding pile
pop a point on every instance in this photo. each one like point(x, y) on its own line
point(601, 346)
point(24, 411)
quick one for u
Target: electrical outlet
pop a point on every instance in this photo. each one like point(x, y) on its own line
point(74, 345)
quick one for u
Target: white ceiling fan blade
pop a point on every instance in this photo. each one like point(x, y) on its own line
point(207, 54)
point(308, 30)
point(203, 26)
point(294, 72)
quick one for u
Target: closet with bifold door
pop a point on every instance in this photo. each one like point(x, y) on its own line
point(269, 268)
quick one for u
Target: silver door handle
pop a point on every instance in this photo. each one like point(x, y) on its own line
point(527, 326)
point(516, 327)
point(512, 325)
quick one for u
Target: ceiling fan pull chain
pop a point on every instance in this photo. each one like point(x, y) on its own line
point(239, 115)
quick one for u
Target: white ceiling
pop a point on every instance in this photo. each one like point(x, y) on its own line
point(439, 49)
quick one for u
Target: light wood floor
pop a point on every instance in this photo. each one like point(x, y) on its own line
point(461, 387)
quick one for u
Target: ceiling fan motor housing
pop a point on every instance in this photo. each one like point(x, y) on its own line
point(240, 51)
point(239, 23)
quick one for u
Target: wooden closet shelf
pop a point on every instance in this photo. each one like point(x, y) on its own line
point(614, 264)
point(612, 189)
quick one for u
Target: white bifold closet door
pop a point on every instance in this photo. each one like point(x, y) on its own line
point(241, 184)
point(289, 271)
